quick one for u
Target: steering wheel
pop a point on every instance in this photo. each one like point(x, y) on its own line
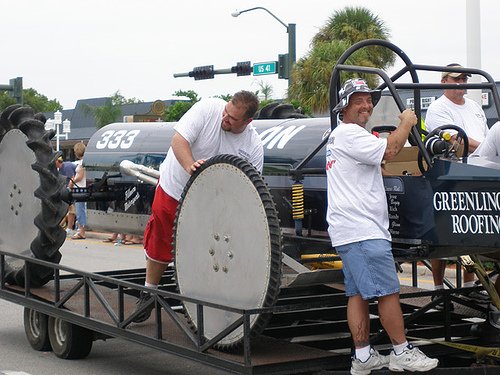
point(450, 148)
point(383, 128)
point(461, 137)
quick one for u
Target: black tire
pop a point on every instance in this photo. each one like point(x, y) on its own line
point(266, 111)
point(270, 294)
point(35, 327)
point(69, 341)
point(47, 236)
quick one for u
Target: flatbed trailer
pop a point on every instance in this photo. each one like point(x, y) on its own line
point(102, 304)
point(308, 332)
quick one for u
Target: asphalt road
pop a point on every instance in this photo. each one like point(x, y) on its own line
point(111, 357)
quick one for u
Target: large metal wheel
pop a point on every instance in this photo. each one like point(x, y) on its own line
point(227, 246)
point(36, 329)
point(69, 341)
point(31, 191)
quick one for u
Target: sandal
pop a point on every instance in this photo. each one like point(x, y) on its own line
point(108, 240)
point(77, 236)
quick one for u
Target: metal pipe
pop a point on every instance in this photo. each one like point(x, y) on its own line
point(141, 172)
point(473, 44)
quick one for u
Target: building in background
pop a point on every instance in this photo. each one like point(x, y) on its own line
point(83, 124)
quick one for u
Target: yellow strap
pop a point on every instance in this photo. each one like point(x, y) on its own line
point(319, 256)
point(480, 351)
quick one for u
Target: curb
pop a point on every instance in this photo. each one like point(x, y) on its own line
point(98, 235)
point(422, 270)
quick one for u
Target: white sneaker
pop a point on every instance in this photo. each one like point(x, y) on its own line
point(376, 361)
point(69, 232)
point(412, 359)
point(479, 296)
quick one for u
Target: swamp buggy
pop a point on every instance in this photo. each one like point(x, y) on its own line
point(255, 286)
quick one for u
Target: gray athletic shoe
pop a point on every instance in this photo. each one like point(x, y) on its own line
point(376, 361)
point(146, 304)
point(412, 359)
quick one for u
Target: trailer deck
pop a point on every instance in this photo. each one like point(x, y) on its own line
point(104, 303)
point(307, 333)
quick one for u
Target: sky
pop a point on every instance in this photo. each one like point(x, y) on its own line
point(69, 50)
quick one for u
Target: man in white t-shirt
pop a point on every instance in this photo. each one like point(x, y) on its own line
point(453, 108)
point(358, 225)
point(490, 146)
point(210, 127)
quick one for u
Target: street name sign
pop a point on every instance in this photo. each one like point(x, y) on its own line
point(269, 67)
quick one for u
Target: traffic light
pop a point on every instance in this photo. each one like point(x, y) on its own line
point(242, 68)
point(202, 72)
point(283, 66)
point(17, 89)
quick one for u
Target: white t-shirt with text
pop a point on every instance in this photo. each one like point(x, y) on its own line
point(201, 127)
point(357, 205)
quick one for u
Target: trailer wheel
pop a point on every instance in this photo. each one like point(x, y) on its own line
point(68, 340)
point(36, 328)
point(227, 247)
point(31, 196)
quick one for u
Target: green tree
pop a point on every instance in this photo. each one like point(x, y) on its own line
point(31, 97)
point(177, 110)
point(111, 111)
point(39, 102)
point(311, 74)
point(226, 97)
point(6, 100)
point(265, 89)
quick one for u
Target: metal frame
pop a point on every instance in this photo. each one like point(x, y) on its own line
point(314, 310)
point(120, 327)
point(392, 86)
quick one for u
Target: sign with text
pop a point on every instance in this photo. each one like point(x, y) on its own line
point(425, 102)
point(269, 67)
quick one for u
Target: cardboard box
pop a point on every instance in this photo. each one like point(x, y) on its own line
point(405, 163)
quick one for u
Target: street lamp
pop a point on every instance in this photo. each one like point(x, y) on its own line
point(54, 123)
point(290, 29)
